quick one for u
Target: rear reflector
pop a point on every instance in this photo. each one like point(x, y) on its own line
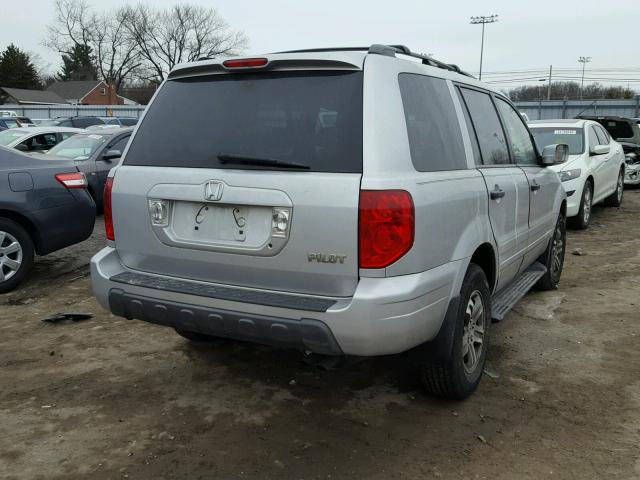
point(246, 63)
point(106, 209)
point(72, 180)
point(386, 227)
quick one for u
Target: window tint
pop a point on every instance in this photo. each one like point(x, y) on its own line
point(312, 118)
point(594, 141)
point(524, 153)
point(434, 134)
point(493, 145)
point(602, 135)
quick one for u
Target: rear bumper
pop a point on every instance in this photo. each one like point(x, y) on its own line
point(385, 315)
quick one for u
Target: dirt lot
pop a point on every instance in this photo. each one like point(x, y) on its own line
point(111, 398)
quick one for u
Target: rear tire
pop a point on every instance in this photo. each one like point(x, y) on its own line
point(581, 221)
point(16, 254)
point(615, 199)
point(460, 375)
point(195, 336)
point(553, 257)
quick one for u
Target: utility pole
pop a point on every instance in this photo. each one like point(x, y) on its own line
point(549, 85)
point(483, 20)
point(583, 61)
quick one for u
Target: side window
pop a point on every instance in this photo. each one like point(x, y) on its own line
point(120, 144)
point(493, 145)
point(603, 136)
point(524, 153)
point(471, 129)
point(594, 141)
point(435, 139)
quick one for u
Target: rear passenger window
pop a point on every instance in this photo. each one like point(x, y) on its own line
point(435, 139)
point(493, 145)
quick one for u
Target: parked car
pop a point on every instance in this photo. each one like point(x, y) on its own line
point(620, 128)
point(120, 121)
point(285, 201)
point(26, 122)
point(44, 207)
point(94, 153)
point(76, 122)
point(632, 160)
point(593, 173)
point(9, 122)
point(8, 113)
point(36, 139)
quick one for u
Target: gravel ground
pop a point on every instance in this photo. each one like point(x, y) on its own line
point(110, 398)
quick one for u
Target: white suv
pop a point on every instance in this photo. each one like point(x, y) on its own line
point(338, 201)
point(594, 171)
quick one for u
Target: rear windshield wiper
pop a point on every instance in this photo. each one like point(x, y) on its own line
point(265, 162)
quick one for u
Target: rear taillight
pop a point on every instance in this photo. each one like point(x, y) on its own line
point(106, 209)
point(72, 180)
point(245, 63)
point(386, 227)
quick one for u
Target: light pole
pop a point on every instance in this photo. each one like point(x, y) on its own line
point(583, 61)
point(483, 20)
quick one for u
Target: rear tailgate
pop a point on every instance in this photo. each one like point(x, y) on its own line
point(247, 179)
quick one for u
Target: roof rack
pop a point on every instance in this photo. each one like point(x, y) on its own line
point(389, 51)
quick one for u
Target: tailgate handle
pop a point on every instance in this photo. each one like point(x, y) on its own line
point(497, 193)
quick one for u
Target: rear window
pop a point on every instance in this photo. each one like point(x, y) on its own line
point(545, 136)
point(617, 129)
point(313, 119)
point(435, 139)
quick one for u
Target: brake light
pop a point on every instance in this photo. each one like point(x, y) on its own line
point(72, 180)
point(246, 63)
point(106, 209)
point(386, 227)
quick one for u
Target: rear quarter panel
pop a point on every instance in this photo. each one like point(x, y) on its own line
point(451, 207)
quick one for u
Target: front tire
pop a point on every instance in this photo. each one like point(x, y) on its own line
point(553, 257)
point(615, 199)
point(16, 254)
point(460, 375)
point(581, 221)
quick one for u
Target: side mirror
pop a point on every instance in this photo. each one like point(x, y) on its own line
point(555, 154)
point(600, 150)
point(111, 154)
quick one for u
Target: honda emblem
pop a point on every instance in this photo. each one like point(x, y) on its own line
point(213, 191)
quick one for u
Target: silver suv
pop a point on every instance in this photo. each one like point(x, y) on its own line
point(363, 201)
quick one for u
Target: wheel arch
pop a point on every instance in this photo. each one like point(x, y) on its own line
point(485, 257)
point(25, 223)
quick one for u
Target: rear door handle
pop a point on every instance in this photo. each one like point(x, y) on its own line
point(535, 186)
point(497, 193)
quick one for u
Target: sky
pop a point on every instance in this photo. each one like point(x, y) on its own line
point(528, 35)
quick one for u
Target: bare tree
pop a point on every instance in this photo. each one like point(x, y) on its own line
point(181, 33)
point(116, 52)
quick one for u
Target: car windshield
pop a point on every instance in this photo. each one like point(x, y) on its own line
point(9, 136)
point(574, 137)
point(79, 147)
point(49, 123)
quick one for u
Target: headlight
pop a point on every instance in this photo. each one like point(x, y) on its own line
point(567, 175)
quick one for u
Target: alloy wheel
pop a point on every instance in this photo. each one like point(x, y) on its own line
point(557, 251)
point(473, 333)
point(10, 256)
point(586, 208)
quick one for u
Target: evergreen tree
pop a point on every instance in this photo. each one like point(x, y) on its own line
point(78, 64)
point(17, 70)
